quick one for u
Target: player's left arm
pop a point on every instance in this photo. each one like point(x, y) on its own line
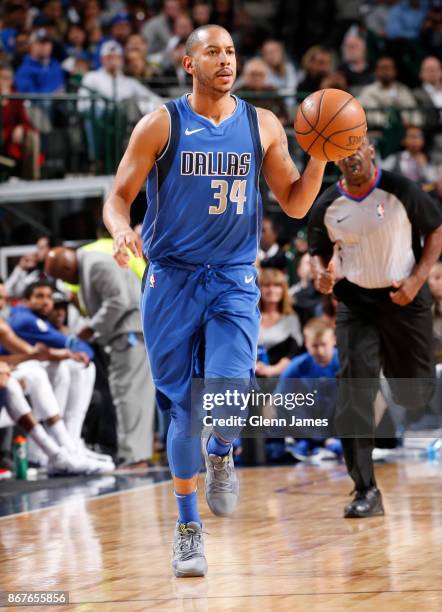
point(295, 193)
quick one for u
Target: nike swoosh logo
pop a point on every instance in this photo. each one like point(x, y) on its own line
point(342, 219)
point(190, 132)
point(248, 279)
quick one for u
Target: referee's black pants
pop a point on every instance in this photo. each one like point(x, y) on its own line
point(373, 333)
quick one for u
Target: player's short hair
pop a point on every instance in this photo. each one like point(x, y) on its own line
point(33, 286)
point(194, 37)
point(317, 327)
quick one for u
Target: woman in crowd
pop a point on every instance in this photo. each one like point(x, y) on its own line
point(280, 336)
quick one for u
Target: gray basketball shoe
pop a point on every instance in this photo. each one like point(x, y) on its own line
point(222, 485)
point(188, 551)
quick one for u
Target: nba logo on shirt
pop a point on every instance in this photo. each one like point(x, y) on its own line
point(380, 211)
point(152, 280)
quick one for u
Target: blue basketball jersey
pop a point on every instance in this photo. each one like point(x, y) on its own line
point(203, 200)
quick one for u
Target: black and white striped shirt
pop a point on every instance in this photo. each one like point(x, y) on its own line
point(375, 237)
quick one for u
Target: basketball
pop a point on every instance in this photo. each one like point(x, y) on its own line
point(330, 124)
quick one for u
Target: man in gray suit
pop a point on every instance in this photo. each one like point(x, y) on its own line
point(111, 297)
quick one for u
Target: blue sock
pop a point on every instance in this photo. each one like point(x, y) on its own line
point(216, 447)
point(187, 508)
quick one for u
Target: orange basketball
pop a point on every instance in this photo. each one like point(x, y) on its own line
point(330, 124)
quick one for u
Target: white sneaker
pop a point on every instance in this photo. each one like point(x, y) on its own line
point(84, 451)
point(65, 463)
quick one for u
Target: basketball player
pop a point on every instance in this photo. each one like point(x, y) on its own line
point(375, 221)
point(202, 154)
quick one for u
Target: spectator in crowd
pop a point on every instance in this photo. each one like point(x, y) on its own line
point(76, 41)
point(58, 317)
point(52, 10)
point(430, 93)
point(200, 14)
point(223, 14)
point(182, 28)
point(158, 30)
point(111, 297)
point(39, 73)
point(354, 64)
point(91, 16)
point(319, 362)
point(14, 20)
point(136, 42)
point(254, 87)
point(72, 381)
point(405, 19)
point(346, 18)
point(431, 32)
point(306, 299)
point(29, 269)
point(376, 17)
point(58, 48)
point(174, 76)
point(270, 254)
point(137, 66)
point(282, 73)
point(335, 80)
point(293, 253)
point(435, 283)
point(121, 28)
point(318, 62)
point(20, 140)
point(110, 82)
point(21, 49)
point(280, 336)
point(33, 378)
point(387, 92)
point(61, 460)
point(413, 162)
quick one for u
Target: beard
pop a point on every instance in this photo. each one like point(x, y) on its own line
point(208, 83)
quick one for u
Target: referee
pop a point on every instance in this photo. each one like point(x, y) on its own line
point(373, 224)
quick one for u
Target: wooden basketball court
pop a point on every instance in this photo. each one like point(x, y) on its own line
point(287, 547)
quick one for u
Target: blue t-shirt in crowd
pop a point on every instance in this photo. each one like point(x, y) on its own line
point(30, 327)
point(34, 77)
point(304, 366)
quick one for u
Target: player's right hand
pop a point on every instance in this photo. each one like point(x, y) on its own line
point(325, 278)
point(126, 239)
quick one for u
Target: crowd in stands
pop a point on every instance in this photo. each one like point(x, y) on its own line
point(386, 52)
point(128, 54)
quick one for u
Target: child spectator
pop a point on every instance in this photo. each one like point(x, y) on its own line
point(280, 336)
point(320, 361)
